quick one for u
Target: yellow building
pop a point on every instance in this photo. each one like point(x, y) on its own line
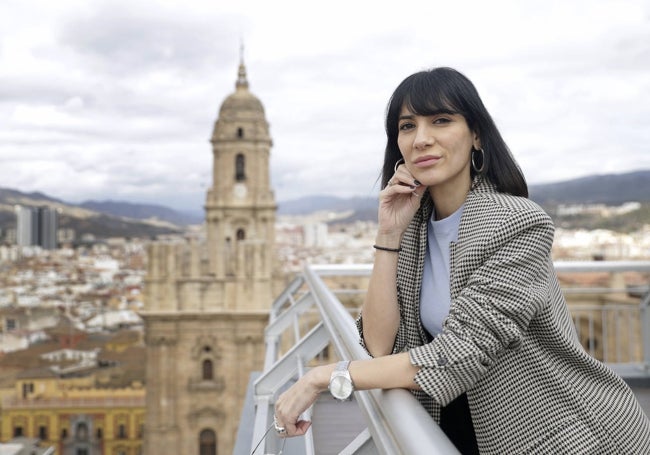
point(84, 400)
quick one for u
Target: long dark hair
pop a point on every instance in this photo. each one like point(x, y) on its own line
point(447, 90)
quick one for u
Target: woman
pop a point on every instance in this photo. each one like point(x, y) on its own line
point(463, 305)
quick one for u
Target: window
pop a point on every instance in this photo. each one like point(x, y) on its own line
point(121, 431)
point(207, 443)
point(241, 234)
point(18, 432)
point(240, 165)
point(240, 133)
point(207, 370)
point(64, 433)
point(42, 433)
point(10, 324)
point(82, 432)
point(27, 389)
point(82, 452)
point(100, 433)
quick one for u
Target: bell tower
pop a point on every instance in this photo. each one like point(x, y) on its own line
point(240, 206)
point(207, 302)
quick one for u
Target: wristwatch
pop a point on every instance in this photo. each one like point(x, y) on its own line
point(341, 385)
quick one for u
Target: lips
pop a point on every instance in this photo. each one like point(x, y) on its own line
point(426, 161)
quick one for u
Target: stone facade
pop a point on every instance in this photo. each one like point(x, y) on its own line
point(207, 303)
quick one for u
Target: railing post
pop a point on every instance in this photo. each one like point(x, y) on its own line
point(645, 330)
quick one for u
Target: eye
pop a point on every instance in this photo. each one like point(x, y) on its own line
point(405, 126)
point(441, 120)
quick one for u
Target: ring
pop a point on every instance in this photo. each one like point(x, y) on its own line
point(278, 428)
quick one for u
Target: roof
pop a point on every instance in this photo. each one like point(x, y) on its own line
point(242, 99)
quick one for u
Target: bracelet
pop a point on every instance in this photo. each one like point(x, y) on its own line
point(384, 248)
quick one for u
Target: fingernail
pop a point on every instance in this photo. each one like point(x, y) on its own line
point(416, 182)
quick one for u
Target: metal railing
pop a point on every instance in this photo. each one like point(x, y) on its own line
point(396, 422)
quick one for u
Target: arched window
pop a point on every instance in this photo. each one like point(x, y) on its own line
point(207, 443)
point(240, 132)
point(240, 167)
point(81, 434)
point(207, 370)
point(241, 234)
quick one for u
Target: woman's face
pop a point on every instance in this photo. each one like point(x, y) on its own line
point(436, 148)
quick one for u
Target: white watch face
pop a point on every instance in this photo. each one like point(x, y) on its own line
point(340, 387)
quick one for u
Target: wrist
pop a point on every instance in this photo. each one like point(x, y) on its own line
point(388, 240)
point(319, 377)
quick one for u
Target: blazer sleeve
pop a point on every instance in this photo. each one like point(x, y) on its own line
point(493, 310)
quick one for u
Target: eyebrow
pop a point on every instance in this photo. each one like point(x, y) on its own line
point(430, 114)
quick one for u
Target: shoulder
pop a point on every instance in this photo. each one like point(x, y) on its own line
point(485, 207)
point(485, 196)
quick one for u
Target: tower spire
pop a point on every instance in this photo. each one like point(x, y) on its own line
point(242, 82)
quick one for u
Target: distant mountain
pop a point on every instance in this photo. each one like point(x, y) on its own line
point(126, 219)
point(81, 219)
point(104, 226)
point(7, 195)
point(611, 189)
point(143, 211)
point(311, 204)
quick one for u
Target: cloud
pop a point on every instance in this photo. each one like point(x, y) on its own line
point(117, 99)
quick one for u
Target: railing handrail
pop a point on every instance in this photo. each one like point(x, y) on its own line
point(394, 417)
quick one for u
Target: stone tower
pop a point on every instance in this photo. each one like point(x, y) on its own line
point(207, 303)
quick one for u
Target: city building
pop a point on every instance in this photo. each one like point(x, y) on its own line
point(207, 302)
point(25, 446)
point(78, 393)
point(37, 226)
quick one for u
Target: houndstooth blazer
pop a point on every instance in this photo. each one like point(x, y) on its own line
point(509, 341)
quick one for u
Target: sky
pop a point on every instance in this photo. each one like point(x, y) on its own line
point(117, 99)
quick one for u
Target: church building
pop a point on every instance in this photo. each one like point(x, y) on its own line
point(207, 302)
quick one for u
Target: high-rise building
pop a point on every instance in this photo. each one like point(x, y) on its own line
point(206, 304)
point(37, 226)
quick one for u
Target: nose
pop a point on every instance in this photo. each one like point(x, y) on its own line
point(423, 139)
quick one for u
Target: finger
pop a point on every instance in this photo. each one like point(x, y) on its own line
point(403, 177)
point(302, 426)
point(297, 429)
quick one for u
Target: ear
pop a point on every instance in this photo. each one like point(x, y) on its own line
point(477, 141)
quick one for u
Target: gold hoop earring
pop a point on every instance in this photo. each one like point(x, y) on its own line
point(477, 169)
point(400, 161)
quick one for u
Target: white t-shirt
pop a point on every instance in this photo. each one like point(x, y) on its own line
point(435, 297)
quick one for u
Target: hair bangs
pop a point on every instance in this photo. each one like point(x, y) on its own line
point(428, 96)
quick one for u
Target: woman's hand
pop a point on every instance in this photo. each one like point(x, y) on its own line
point(298, 398)
point(398, 202)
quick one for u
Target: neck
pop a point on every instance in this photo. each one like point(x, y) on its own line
point(448, 198)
